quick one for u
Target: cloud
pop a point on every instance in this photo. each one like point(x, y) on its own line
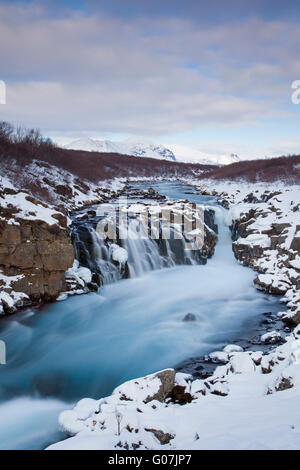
point(246, 151)
point(93, 72)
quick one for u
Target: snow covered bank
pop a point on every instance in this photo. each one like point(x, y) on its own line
point(250, 402)
point(35, 248)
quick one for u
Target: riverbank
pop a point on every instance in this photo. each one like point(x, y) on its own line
point(211, 385)
point(261, 387)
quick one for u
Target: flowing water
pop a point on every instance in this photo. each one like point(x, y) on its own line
point(87, 345)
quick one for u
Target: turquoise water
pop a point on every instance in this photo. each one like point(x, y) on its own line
point(88, 345)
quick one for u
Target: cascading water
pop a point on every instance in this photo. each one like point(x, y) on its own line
point(89, 344)
point(144, 253)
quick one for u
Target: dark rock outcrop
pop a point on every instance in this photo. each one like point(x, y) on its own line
point(37, 252)
point(167, 378)
point(163, 437)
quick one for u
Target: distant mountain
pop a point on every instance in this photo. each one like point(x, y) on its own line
point(190, 155)
point(128, 147)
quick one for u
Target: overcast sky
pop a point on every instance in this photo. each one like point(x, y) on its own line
point(213, 75)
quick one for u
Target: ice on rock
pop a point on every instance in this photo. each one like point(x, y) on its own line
point(119, 254)
point(241, 363)
point(271, 337)
point(85, 274)
point(69, 421)
point(219, 356)
point(230, 348)
point(295, 355)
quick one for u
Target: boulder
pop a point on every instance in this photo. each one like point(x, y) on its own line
point(167, 379)
point(39, 254)
point(283, 383)
point(180, 396)
point(190, 317)
point(163, 437)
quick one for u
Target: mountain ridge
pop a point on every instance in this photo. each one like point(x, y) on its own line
point(175, 153)
point(128, 147)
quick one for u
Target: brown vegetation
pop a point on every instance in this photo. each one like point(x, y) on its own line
point(282, 168)
point(24, 146)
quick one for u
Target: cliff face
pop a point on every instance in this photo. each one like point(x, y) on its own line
point(35, 251)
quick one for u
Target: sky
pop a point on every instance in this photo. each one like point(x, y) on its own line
point(214, 76)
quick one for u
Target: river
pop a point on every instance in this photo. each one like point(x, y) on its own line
point(89, 344)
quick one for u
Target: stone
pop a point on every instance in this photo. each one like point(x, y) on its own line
point(190, 317)
point(295, 245)
point(180, 396)
point(284, 383)
point(292, 318)
point(163, 437)
point(38, 251)
point(167, 378)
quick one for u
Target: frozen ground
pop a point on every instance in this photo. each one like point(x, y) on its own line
point(250, 402)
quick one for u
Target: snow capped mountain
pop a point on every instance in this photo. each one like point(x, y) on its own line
point(128, 147)
point(145, 149)
point(191, 155)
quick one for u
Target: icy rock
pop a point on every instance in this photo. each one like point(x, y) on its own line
point(152, 387)
point(292, 317)
point(295, 355)
point(283, 383)
point(69, 421)
point(256, 357)
point(183, 379)
point(219, 356)
point(271, 337)
point(62, 296)
point(85, 274)
point(267, 364)
point(119, 254)
point(241, 363)
point(217, 387)
point(232, 348)
point(190, 317)
point(180, 395)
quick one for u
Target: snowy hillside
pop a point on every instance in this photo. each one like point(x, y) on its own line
point(191, 155)
point(128, 147)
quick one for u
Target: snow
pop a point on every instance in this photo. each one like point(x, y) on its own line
point(240, 407)
point(295, 263)
point(271, 337)
point(128, 147)
point(50, 176)
point(119, 254)
point(77, 278)
point(193, 155)
point(257, 239)
point(84, 274)
point(242, 363)
point(28, 210)
point(220, 356)
point(8, 295)
point(230, 348)
point(248, 403)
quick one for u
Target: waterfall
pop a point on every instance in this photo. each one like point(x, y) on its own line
point(144, 254)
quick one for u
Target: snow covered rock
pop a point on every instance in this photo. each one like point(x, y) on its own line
point(189, 317)
point(230, 348)
point(241, 363)
point(35, 250)
point(219, 356)
point(271, 337)
point(152, 387)
point(119, 254)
